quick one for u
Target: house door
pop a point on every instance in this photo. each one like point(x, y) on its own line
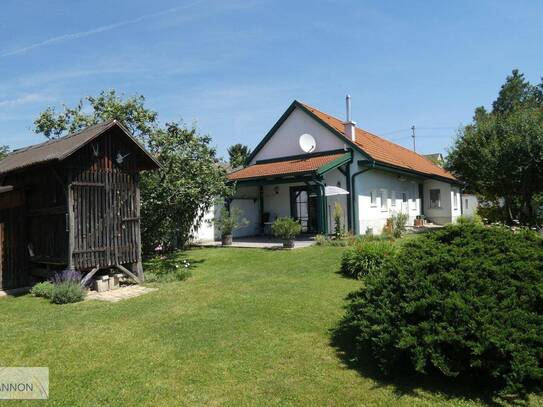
point(304, 208)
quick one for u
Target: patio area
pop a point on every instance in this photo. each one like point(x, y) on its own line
point(261, 242)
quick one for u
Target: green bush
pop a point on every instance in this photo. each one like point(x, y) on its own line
point(463, 219)
point(43, 290)
point(464, 301)
point(368, 257)
point(67, 292)
point(286, 228)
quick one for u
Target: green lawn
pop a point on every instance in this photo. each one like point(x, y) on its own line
point(251, 327)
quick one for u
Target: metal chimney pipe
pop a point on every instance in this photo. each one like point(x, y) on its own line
point(350, 126)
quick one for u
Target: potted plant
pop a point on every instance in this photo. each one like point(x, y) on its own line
point(229, 221)
point(287, 229)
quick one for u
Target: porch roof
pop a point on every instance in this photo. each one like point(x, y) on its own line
point(306, 164)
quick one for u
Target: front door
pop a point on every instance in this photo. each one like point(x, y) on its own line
point(304, 208)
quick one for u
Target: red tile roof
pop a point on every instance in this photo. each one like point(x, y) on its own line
point(384, 151)
point(284, 167)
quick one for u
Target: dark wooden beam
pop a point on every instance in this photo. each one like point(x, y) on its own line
point(89, 275)
point(128, 273)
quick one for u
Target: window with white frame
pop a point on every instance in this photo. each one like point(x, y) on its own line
point(456, 199)
point(404, 197)
point(466, 203)
point(384, 199)
point(393, 198)
point(373, 198)
point(435, 198)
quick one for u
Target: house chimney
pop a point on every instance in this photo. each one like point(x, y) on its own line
point(350, 126)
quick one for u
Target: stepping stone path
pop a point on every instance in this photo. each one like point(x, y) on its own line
point(119, 294)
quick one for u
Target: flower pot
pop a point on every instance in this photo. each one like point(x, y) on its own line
point(227, 240)
point(419, 222)
point(288, 244)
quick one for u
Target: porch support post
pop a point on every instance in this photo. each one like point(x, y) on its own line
point(261, 207)
point(323, 206)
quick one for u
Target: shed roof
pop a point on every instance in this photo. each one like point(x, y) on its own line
point(61, 148)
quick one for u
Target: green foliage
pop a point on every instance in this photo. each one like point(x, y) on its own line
point(44, 289)
point(108, 105)
point(179, 272)
point(500, 155)
point(476, 219)
point(174, 198)
point(463, 301)
point(4, 150)
point(238, 155)
point(364, 258)
point(398, 222)
point(286, 228)
point(230, 220)
point(344, 240)
point(337, 214)
point(67, 292)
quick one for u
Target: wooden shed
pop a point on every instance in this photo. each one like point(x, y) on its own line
point(73, 202)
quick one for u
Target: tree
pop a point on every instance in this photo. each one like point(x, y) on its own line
point(239, 154)
point(141, 121)
point(177, 197)
point(174, 198)
point(500, 154)
point(4, 150)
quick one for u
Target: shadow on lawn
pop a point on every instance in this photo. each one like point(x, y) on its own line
point(407, 382)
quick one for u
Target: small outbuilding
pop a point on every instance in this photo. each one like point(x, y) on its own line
point(72, 202)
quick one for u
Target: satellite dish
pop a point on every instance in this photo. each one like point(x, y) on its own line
point(307, 143)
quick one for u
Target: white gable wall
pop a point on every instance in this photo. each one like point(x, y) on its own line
point(285, 140)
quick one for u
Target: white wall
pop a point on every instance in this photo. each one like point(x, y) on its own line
point(448, 212)
point(372, 217)
point(469, 205)
point(285, 140)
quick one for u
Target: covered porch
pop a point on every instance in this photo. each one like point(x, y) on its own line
point(301, 187)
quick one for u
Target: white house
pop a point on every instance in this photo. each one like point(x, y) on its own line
point(309, 156)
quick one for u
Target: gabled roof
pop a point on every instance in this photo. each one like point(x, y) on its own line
point(374, 147)
point(61, 148)
point(318, 164)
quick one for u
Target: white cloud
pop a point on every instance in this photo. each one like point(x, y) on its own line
point(24, 100)
point(97, 30)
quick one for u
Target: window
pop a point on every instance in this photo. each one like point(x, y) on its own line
point(373, 198)
point(455, 200)
point(435, 198)
point(384, 199)
point(404, 197)
point(466, 201)
point(393, 197)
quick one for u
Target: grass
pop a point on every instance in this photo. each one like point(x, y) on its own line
point(250, 327)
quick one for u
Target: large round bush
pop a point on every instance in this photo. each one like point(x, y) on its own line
point(464, 301)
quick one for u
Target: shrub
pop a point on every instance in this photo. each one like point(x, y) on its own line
point(43, 290)
point(364, 258)
point(286, 228)
point(463, 219)
point(396, 225)
point(230, 220)
point(67, 292)
point(464, 301)
point(337, 215)
point(67, 276)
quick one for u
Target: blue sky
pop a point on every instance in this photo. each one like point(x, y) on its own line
point(234, 66)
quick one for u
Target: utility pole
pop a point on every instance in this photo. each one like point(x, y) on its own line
point(413, 135)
